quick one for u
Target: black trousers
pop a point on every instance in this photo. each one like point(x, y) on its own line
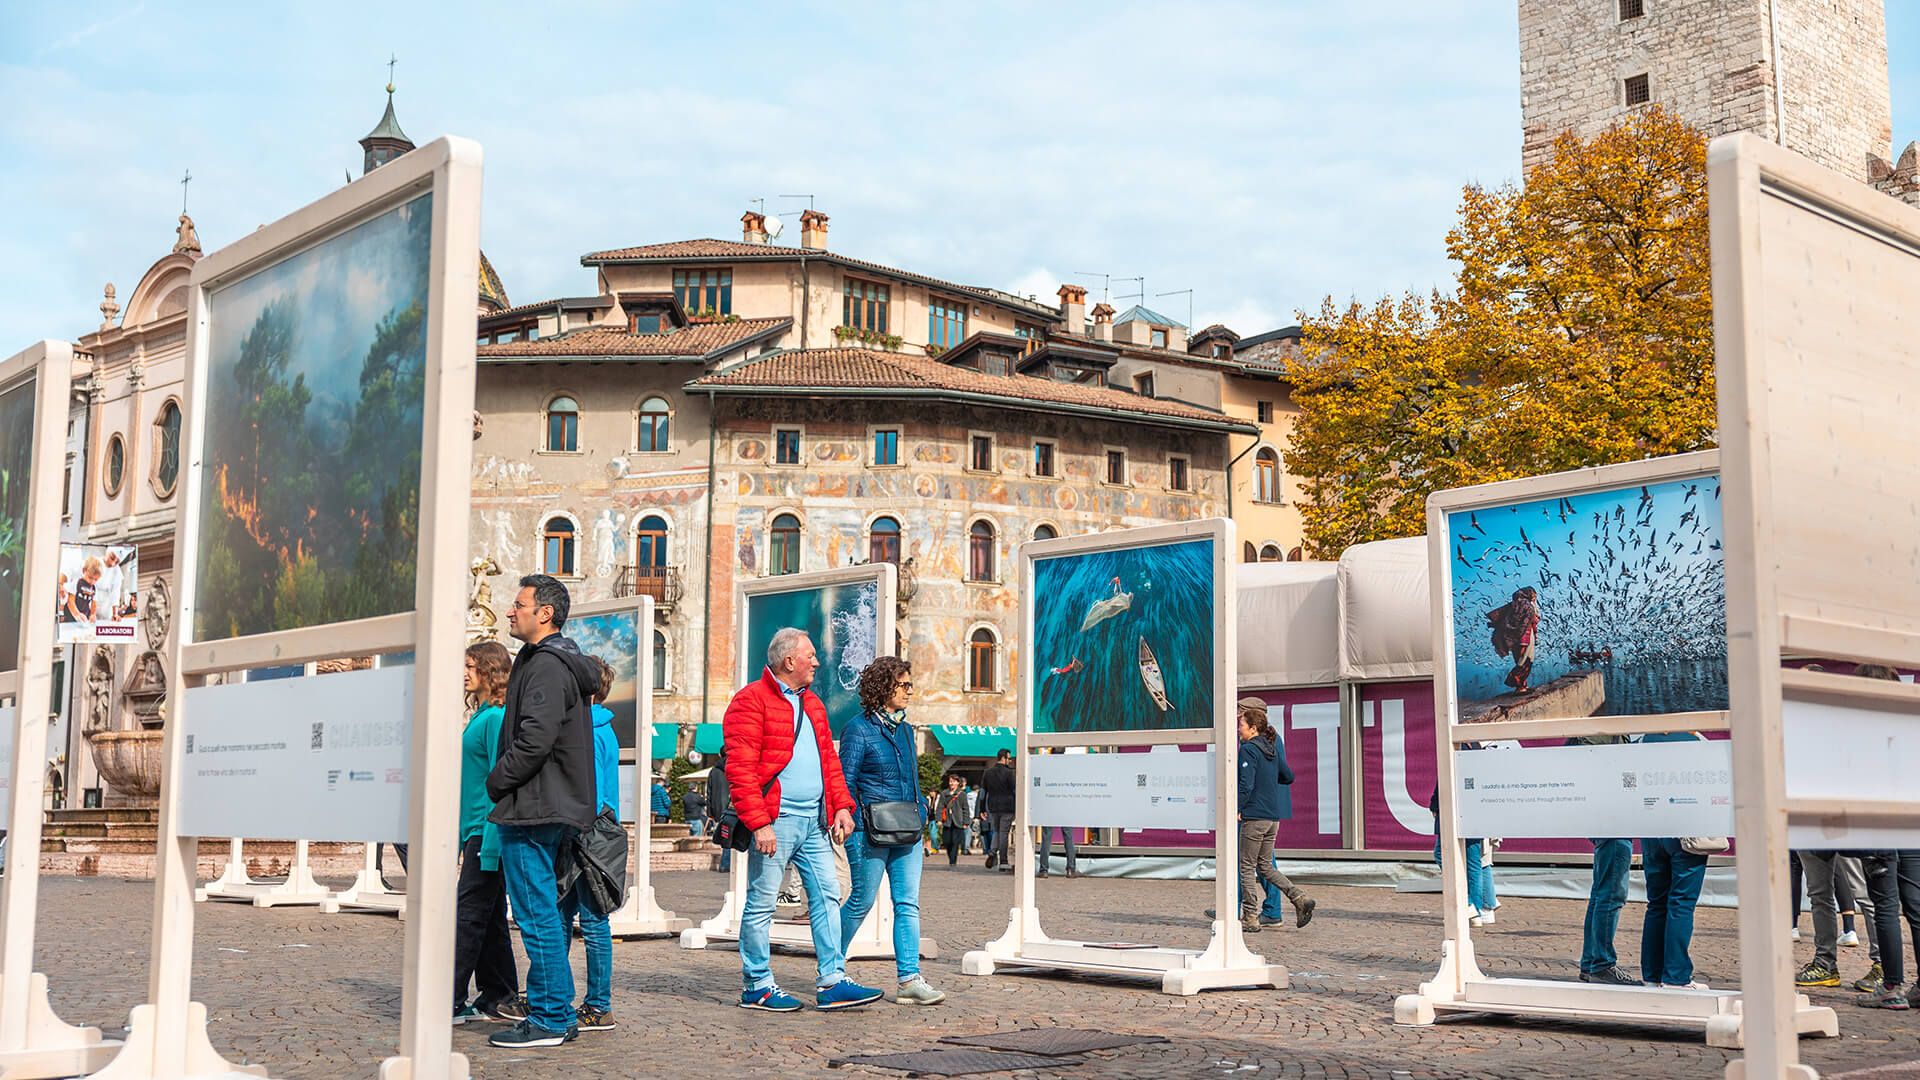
point(1002, 837)
point(952, 838)
point(482, 945)
point(1893, 880)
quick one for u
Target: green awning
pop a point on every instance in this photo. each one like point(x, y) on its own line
point(707, 738)
point(968, 740)
point(666, 740)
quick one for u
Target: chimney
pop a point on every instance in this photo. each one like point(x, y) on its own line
point(1073, 309)
point(813, 230)
point(1103, 322)
point(753, 228)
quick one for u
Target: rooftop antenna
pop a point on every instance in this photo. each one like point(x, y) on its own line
point(1189, 295)
point(789, 213)
point(1141, 295)
point(773, 225)
point(1105, 282)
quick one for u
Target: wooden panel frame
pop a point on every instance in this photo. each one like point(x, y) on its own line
point(167, 1036)
point(874, 939)
point(1226, 961)
point(1794, 512)
point(33, 1041)
point(1460, 985)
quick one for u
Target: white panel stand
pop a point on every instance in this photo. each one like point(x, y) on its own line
point(1814, 276)
point(367, 893)
point(234, 883)
point(1226, 961)
point(1459, 985)
point(640, 914)
point(299, 890)
point(33, 1041)
point(874, 939)
point(167, 1036)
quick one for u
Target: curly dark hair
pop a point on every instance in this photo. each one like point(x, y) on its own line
point(877, 681)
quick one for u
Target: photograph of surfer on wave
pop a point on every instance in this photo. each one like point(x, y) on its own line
point(1601, 603)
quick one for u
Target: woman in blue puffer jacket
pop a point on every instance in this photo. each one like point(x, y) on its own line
point(877, 755)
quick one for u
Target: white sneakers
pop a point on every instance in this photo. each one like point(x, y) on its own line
point(1851, 939)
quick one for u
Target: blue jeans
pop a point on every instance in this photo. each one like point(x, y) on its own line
point(902, 867)
point(1479, 877)
point(526, 857)
point(599, 938)
point(1674, 877)
point(1611, 861)
point(802, 842)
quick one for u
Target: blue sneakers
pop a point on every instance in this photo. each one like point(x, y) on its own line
point(769, 999)
point(847, 994)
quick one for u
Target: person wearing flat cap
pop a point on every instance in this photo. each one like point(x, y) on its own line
point(1264, 803)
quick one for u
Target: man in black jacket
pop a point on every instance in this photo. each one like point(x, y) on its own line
point(998, 787)
point(543, 791)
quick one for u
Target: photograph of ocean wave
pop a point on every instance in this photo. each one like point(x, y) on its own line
point(1123, 640)
point(1628, 585)
point(844, 623)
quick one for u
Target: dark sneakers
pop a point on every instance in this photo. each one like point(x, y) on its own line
point(1816, 974)
point(592, 1019)
point(527, 1035)
point(511, 1011)
point(1303, 911)
point(1612, 976)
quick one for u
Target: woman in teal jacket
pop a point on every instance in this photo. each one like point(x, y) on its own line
point(482, 945)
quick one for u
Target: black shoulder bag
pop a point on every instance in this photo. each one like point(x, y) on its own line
point(894, 824)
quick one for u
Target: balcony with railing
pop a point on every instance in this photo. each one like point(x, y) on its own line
point(660, 582)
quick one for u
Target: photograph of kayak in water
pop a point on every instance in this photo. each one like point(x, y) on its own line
point(1604, 603)
point(1123, 639)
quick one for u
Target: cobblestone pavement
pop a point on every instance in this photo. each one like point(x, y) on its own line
point(314, 995)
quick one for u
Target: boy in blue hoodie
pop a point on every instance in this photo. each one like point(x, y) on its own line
point(596, 1012)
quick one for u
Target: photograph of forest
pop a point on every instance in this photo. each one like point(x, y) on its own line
point(310, 476)
point(16, 472)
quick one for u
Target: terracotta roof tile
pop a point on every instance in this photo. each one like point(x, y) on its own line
point(863, 369)
point(701, 339)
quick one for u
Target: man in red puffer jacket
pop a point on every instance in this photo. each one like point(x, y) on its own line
point(786, 784)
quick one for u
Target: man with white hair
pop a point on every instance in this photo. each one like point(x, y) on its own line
point(787, 789)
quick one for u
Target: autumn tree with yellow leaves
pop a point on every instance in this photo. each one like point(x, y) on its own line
point(1579, 332)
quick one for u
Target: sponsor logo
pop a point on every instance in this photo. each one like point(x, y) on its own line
point(396, 776)
point(1722, 800)
point(360, 776)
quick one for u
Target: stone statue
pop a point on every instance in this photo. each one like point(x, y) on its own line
point(479, 423)
point(482, 621)
point(188, 241)
point(604, 548)
point(100, 691)
point(158, 616)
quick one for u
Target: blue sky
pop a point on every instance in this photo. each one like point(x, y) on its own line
point(1263, 155)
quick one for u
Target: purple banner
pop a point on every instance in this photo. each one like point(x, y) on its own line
point(1309, 720)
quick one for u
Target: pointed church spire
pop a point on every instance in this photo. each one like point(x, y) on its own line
point(386, 141)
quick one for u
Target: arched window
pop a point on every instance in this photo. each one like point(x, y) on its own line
point(166, 460)
point(116, 471)
point(1270, 553)
point(1045, 532)
point(558, 547)
point(883, 541)
point(655, 422)
point(650, 546)
point(983, 655)
point(1296, 555)
point(980, 551)
point(783, 548)
point(1247, 553)
point(1266, 476)
point(659, 660)
point(563, 425)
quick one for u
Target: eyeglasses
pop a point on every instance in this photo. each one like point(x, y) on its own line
point(903, 686)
